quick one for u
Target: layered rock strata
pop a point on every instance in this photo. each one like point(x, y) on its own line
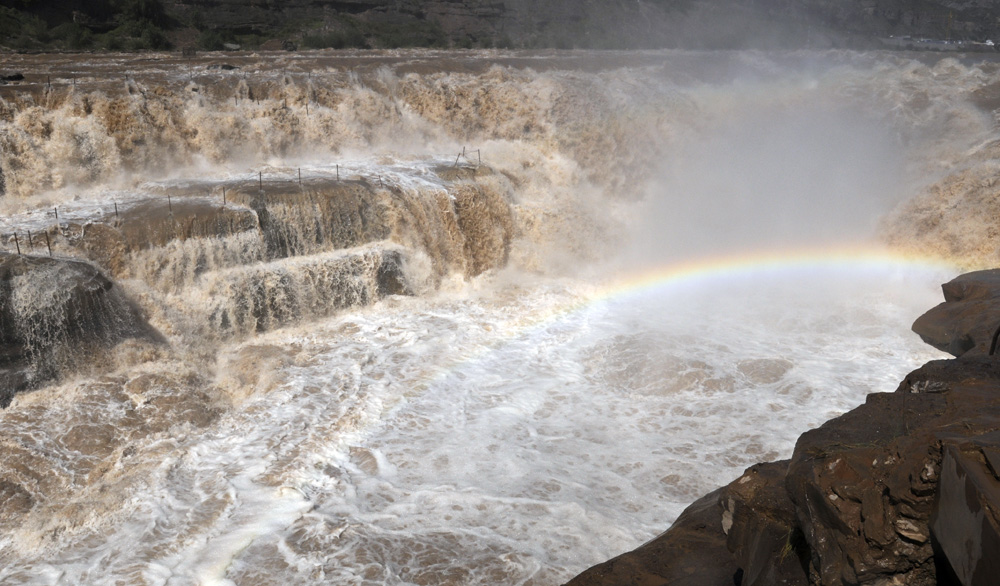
point(208, 268)
point(903, 489)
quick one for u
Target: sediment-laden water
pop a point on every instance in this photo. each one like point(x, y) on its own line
point(450, 318)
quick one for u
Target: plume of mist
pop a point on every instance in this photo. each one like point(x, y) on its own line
point(771, 178)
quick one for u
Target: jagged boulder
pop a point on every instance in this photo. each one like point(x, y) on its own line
point(865, 485)
point(744, 534)
point(969, 319)
point(863, 488)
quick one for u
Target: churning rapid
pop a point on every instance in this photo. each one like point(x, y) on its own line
point(450, 318)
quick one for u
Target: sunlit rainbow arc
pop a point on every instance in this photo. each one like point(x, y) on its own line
point(770, 262)
point(757, 264)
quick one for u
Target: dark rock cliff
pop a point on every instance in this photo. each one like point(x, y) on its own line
point(903, 489)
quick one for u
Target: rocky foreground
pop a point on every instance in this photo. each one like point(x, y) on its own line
point(904, 489)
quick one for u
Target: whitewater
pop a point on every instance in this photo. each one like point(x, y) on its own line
point(434, 317)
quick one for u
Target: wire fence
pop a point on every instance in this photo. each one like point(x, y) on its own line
point(77, 214)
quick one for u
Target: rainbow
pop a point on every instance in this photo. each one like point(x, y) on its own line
point(750, 265)
point(770, 262)
point(704, 271)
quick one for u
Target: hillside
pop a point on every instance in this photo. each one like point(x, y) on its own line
point(34, 25)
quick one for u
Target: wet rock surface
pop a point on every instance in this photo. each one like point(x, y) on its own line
point(903, 489)
point(863, 488)
point(55, 313)
point(224, 262)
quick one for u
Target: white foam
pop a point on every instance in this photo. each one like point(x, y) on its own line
point(510, 431)
point(560, 443)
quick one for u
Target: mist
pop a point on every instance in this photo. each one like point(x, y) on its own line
point(770, 178)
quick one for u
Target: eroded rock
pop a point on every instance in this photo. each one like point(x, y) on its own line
point(969, 319)
point(966, 523)
point(691, 553)
point(857, 478)
point(762, 532)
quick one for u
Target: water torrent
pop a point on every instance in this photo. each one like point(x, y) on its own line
point(448, 318)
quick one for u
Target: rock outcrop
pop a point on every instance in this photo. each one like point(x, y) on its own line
point(966, 523)
point(56, 314)
point(692, 553)
point(969, 319)
point(250, 259)
point(901, 490)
